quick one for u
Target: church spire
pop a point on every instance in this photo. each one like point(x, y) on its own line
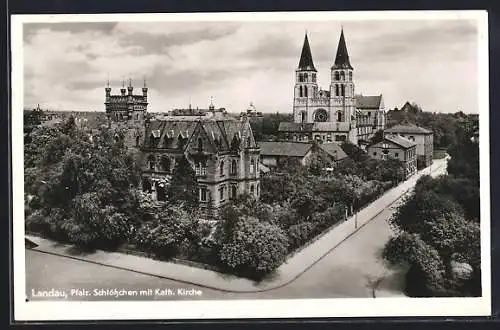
point(342, 58)
point(306, 61)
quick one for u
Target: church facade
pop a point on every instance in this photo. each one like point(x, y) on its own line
point(332, 114)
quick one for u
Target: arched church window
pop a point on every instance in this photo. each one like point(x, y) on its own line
point(305, 91)
point(233, 167)
point(320, 115)
point(337, 76)
point(221, 168)
point(339, 116)
point(314, 77)
point(252, 166)
point(342, 75)
point(336, 90)
point(300, 91)
point(350, 76)
point(342, 87)
point(303, 117)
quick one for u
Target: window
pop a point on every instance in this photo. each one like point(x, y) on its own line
point(412, 138)
point(339, 116)
point(200, 144)
point(152, 162)
point(252, 166)
point(203, 194)
point(396, 154)
point(221, 168)
point(233, 167)
point(337, 76)
point(350, 76)
point(374, 153)
point(300, 91)
point(257, 189)
point(233, 191)
point(305, 91)
point(252, 189)
point(303, 116)
point(336, 90)
point(301, 79)
point(160, 192)
point(314, 77)
point(165, 164)
point(342, 75)
point(146, 185)
point(342, 87)
point(137, 140)
point(221, 193)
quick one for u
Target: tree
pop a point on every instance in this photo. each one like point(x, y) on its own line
point(183, 186)
point(377, 137)
point(254, 249)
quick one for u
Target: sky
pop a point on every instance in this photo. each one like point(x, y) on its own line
point(66, 65)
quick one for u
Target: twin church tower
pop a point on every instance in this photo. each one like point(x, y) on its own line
point(329, 115)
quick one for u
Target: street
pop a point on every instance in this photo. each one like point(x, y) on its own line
point(353, 269)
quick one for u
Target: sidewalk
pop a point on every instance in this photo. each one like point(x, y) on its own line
point(295, 266)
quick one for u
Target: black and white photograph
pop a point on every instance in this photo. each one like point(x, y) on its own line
point(314, 164)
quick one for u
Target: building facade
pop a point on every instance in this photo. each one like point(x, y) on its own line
point(331, 112)
point(221, 150)
point(424, 139)
point(396, 147)
point(126, 106)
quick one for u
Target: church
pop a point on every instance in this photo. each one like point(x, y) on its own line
point(337, 113)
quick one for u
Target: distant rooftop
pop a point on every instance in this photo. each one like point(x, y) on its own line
point(408, 129)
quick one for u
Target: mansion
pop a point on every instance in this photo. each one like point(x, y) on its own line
point(335, 114)
point(221, 150)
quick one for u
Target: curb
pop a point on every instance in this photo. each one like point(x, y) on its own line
point(283, 283)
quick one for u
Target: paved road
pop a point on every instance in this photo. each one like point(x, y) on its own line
point(347, 271)
point(350, 270)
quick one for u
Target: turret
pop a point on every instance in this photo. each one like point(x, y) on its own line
point(123, 90)
point(130, 88)
point(145, 91)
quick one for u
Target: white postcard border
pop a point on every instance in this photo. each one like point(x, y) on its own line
point(262, 308)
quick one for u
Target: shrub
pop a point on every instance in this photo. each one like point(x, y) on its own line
point(254, 248)
point(300, 233)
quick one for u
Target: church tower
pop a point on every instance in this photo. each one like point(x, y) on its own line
point(342, 101)
point(306, 86)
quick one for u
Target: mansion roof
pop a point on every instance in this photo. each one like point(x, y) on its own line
point(170, 132)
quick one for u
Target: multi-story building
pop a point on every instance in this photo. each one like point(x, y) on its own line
point(221, 150)
point(331, 114)
point(396, 147)
point(421, 136)
point(126, 106)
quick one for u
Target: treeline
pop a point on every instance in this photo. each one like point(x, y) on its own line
point(437, 229)
point(448, 128)
point(266, 128)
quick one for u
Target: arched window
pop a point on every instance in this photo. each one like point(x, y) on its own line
point(306, 77)
point(152, 162)
point(252, 166)
point(257, 189)
point(337, 77)
point(200, 144)
point(233, 191)
point(234, 168)
point(342, 75)
point(350, 76)
point(300, 91)
point(336, 90)
point(221, 168)
point(305, 91)
point(252, 189)
point(301, 77)
point(314, 77)
point(137, 140)
point(339, 116)
point(303, 117)
point(342, 88)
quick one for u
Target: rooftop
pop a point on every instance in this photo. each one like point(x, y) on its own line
point(333, 149)
point(408, 129)
point(285, 148)
point(368, 102)
point(401, 141)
